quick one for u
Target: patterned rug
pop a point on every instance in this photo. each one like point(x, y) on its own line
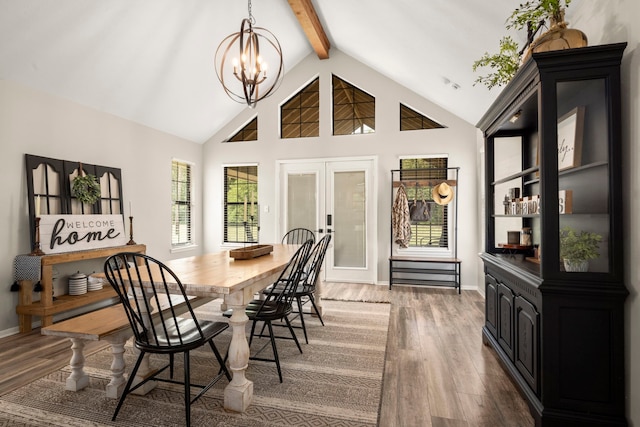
point(335, 382)
point(339, 291)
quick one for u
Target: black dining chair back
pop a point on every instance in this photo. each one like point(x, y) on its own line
point(277, 306)
point(304, 292)
point(298, 236)
point(314, 265)
point(162, 320)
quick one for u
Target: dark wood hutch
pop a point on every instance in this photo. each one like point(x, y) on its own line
point(554, 136)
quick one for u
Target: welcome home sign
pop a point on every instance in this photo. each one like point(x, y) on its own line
point(67, 233)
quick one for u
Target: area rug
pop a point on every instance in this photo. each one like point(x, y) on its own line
point(335, 382)
point(358, 292)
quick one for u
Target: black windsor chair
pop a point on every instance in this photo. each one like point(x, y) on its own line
point(298, 236)
point(141, 284)
point(305, 290)
point(277, 306)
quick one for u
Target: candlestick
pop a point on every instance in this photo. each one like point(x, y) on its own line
point(245, 209)
point(36, 245)
point(131, 241)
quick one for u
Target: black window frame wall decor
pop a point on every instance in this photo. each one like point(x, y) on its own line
point(57, 199)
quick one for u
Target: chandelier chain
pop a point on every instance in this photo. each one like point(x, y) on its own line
point(251, 18)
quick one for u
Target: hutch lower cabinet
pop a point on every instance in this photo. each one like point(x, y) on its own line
point(553, 159)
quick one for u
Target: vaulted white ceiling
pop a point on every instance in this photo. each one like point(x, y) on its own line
point(151, 61)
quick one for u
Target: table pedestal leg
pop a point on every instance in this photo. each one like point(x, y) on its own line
point(318, 298)
point(78, 378)
point(239, 393)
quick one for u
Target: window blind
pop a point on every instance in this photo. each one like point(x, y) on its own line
point(181, 218)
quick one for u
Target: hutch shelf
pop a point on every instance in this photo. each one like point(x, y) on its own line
point(553, 159)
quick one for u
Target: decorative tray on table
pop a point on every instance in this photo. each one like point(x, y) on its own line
point(249, 252)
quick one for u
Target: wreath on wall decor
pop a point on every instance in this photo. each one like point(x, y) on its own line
point(85, 187)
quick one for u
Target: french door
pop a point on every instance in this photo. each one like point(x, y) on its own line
point(335, 197)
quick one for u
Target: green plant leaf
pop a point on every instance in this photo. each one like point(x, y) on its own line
point(504, 64)
point(579, 246)
point(86, 189)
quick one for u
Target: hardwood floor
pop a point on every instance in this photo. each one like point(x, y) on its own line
point(27, 357)
point(437, 371)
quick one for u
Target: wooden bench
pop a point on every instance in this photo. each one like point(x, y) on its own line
point(108, 324)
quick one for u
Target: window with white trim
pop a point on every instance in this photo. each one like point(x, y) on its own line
point(241, 204)
point(433, 232)
point(181, 204)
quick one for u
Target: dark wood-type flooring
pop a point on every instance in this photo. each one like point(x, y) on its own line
point(437, 371)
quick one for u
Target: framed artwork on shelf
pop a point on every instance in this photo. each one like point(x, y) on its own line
point(570, 128)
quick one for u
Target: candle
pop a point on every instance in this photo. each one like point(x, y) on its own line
point(253, 208)
point(245, 208)
point(130, 210)
point(37, 205)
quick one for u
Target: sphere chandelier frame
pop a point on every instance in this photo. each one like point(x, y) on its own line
point(244, 78)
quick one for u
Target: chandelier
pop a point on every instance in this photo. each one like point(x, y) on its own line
point(241, 64)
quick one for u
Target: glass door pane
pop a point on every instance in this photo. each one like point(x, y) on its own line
point(350, 238)
point(301, 201)
point(583, 175)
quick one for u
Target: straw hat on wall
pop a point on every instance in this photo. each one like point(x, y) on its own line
point(442, 193)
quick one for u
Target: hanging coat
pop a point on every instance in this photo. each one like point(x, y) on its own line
point(400, 222)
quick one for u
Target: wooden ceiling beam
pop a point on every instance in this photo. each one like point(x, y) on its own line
point(306, 14)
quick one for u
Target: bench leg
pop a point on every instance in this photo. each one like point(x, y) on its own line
point(78, 378)
point(144, 371)
point(118, 365)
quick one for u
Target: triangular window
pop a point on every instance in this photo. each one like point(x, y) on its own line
point(354, 111)
point(249, 132)
point(300, 115)
point(412, 120)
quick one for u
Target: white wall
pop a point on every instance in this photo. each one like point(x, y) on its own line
point(387, 143)
point(36, 123)
point(611, 22)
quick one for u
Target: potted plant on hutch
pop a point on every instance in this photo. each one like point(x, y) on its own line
point(577, 249)
point(532, 15)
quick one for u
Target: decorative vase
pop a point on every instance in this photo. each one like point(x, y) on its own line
point(576, 265)
point(557, 37)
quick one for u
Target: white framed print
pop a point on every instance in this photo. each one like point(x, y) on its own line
point(570, 130)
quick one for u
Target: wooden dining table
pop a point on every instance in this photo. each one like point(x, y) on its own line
point(237, 280)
